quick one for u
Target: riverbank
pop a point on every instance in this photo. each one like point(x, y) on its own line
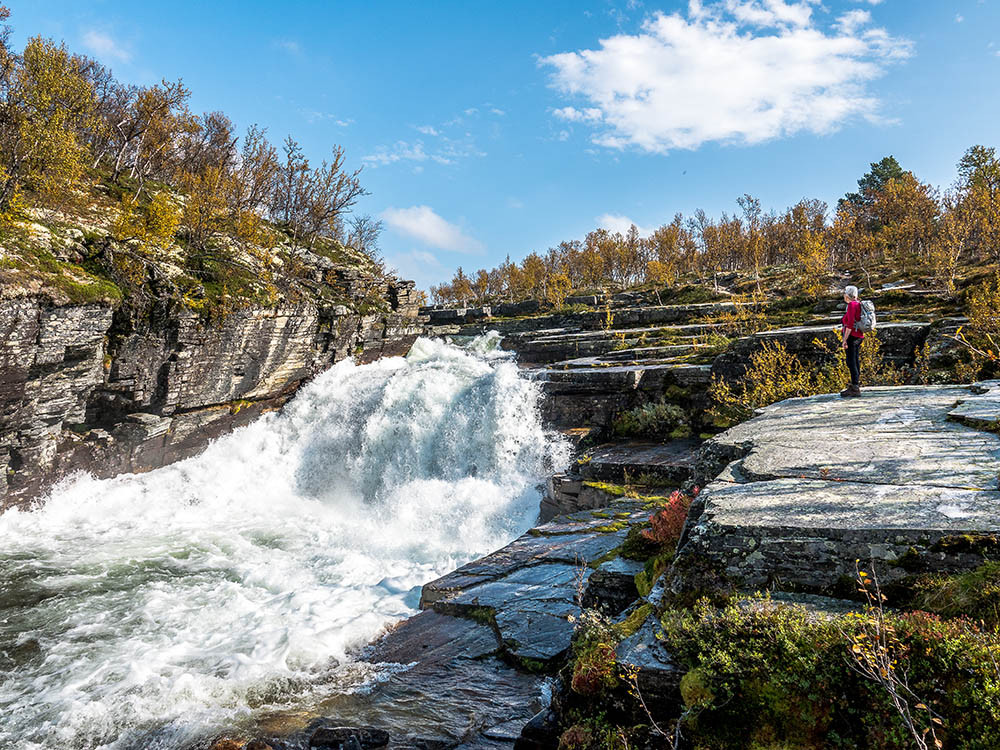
point(915, 495)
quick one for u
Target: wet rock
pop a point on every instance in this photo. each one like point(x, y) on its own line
point(541, 733)
point(530, 590)
point(657, 674)
point(348, 738)
point(507, 732)
point(611, 588)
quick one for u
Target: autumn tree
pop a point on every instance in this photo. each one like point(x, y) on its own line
point(45, 105)
point(873, 182)
point(363, 233)
point(557, 288)
point(151, 126)
point(252, 186)
point(979, 201)
point(752, 242)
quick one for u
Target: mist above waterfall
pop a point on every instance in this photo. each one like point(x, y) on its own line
point(150, 610)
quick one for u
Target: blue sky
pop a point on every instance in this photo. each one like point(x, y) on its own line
point(488, 128)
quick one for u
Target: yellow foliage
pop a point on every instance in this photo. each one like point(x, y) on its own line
point(153, 225)
point(815, 261)
point(748, 317)
point(984, 309)
point(557, 288)
point(54, 105)
point(875, 370)
point(162, 220)
point(775, 374)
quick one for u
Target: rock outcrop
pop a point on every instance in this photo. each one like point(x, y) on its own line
point(903, 478)
point(110, 391)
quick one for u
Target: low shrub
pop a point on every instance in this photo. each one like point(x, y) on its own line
point(660, 419)
point(766, 675)
point(668, 521)
point(775, 374)
point(975, 594)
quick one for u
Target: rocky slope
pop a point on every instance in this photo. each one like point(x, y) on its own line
point(110, 389)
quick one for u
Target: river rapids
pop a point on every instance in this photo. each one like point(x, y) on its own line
point(153, 610)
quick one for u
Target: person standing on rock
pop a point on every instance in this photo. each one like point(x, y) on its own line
point(852, 338)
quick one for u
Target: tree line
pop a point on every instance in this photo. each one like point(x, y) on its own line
point(66, 121)
point(893, 219)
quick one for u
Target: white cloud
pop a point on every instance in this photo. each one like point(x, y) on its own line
point(313, 116)
point(497, 111)
point(591, 114)
point(104, 46)
point(447, 151)
point(288, 45)
point(427, 129)
point(850, 22)
point(741, 71)
point(422, 224)
point(620, 223)
point(419, 266)
point(959, 18)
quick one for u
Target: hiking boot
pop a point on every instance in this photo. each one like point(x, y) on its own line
point(850, 391)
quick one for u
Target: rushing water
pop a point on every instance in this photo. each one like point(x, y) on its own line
point(151, 610)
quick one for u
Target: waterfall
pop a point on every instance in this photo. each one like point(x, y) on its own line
point(153, 610)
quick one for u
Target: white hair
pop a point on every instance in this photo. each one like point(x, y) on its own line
point(851, 291)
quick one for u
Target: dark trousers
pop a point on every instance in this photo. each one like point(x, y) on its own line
point(854, 359)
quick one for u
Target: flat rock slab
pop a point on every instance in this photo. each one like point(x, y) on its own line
point(672, 462)
point(888, 436)
point(529, 590)
point(441, 685)
point(893, 477)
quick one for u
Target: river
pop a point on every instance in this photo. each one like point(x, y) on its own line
point(154, 610)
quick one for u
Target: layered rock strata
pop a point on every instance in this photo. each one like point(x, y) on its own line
point(90, 387)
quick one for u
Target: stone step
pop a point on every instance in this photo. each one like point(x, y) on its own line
point(671, 463)
point(559, 346)
point(623, 317)
point(594, 396)
point(644, 377)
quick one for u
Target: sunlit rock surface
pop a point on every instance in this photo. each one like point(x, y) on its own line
point(897, 478)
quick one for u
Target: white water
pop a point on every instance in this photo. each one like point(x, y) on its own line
point(151, 610)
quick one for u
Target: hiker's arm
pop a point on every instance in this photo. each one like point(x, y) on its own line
point(845, 333)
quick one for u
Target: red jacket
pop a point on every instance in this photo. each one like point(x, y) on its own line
point(852, 317)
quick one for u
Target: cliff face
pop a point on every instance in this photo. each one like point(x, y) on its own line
point(88, 386)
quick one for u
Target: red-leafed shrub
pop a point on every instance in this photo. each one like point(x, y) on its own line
point(595, 670)
point(667, 522)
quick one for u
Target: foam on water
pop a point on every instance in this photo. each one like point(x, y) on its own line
point(151, 610)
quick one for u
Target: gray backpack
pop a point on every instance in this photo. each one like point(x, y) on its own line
point(867, 322)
